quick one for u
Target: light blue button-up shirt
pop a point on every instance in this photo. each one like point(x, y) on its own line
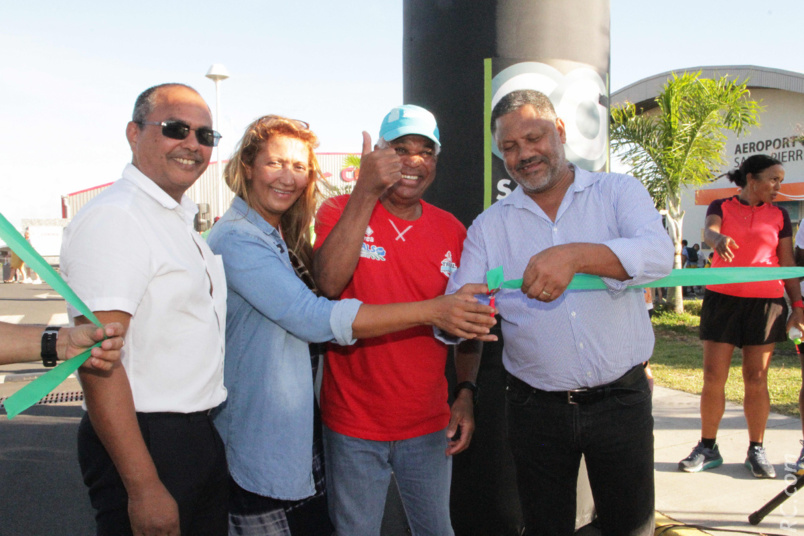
point(267, 420)
point(584, 338)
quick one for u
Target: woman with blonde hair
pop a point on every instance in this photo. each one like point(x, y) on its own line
point(269, 422)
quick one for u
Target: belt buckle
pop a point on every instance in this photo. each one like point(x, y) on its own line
point(572, 392)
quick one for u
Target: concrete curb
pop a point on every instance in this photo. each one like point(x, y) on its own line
point(665, 527)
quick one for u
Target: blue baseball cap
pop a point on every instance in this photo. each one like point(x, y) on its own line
point(409, 119)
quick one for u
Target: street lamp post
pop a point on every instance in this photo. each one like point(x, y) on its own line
point(217, 72)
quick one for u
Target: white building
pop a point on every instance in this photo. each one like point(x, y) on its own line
point(781, 93)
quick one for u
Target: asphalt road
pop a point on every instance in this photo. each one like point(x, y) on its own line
point(41, 492)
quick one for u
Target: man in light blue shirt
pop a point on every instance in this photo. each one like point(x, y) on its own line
point(574, 358)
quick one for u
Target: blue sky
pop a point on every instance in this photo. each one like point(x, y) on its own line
point(71, 70)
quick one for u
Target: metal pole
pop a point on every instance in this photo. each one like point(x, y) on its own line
point(216, 73)
point(218, 165)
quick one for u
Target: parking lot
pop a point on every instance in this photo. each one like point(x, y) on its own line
point(42, 492)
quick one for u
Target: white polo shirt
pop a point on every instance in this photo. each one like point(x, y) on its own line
point(133, 249)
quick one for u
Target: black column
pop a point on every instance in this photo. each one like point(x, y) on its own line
point(564, 43)
point(459, 58)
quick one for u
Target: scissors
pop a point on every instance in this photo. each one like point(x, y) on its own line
point(492, 295)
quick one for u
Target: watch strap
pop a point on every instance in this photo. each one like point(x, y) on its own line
point(472, 386)
point(49, 338)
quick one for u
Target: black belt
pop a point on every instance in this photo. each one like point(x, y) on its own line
point(166, 415)
point(590, 395)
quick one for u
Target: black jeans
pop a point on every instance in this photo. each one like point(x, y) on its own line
point(190, 459)
point(615, 434)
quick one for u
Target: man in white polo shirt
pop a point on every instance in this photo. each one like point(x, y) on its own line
point(149, 455)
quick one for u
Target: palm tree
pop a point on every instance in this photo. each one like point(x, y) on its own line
point(331, 190)
point(681, 144)
point(351, 160)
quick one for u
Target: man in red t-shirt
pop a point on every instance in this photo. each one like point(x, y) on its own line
point(384, 399)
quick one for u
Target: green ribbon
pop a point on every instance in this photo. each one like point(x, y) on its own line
point(677, 278)
point(39, 388)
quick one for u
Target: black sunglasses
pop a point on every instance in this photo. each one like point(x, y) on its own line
point(177, 130)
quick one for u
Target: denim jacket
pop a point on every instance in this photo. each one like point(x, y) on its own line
point(267, 420)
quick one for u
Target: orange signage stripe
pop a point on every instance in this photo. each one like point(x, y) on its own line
point(704, 197)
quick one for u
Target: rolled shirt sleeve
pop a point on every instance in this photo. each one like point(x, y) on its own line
point(644, 248)
point(262, 275)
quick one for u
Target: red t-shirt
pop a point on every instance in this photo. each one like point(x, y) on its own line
point(392, 387)
point(757, 231)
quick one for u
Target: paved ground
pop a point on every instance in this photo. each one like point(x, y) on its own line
point(42, 493)
point(723, 497)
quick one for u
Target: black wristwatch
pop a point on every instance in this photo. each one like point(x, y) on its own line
point(472, 386)
point(49, 338)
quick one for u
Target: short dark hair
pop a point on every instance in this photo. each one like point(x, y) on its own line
point(515, 100)
point(146, 102)
point(754, 165)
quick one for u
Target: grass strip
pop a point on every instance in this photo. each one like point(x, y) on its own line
point(677, 361)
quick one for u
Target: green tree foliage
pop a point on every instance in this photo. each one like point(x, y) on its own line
point(351, 160)
point(681, 144)
point(331, 190)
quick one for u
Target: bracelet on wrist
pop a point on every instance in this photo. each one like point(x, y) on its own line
point(798, 304)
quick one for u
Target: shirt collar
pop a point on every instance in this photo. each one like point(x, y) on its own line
point(583, 180)
point(252, 216)
point(188, 208)
point(745, 203)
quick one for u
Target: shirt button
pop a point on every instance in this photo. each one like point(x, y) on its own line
point(572, 314)
point(555, 229)
point(581, 346)
point(588, 374)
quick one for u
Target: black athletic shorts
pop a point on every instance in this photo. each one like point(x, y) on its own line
point(742, 321)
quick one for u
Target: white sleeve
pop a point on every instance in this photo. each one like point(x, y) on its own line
point(106, 260)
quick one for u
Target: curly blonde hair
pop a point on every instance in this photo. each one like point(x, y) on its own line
point(295, 223)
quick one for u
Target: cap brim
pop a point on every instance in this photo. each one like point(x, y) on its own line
point(407, 130)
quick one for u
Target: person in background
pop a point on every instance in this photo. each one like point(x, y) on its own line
point(696, 260)
point(800, 262)
point(745, 230)
point(270, 422)
point(205, 234)
point(17, 268)
point(684, 254)
point(30, 275)
point(6, 256)
point(701, 257)
point(692, 256)
point(24, 343)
